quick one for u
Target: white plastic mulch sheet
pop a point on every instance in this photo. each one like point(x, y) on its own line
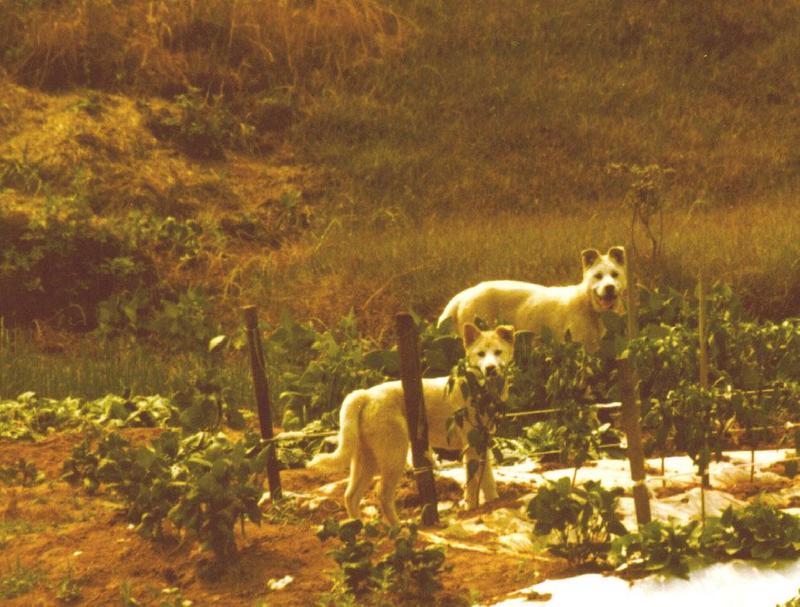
point(734, 584)
point(738, 583)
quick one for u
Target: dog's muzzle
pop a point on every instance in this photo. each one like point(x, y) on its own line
point(608, 299)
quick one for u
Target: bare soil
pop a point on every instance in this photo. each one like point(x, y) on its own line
point(58, 532)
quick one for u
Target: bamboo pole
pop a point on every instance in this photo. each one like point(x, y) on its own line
point(702, 329)
point(631, 406)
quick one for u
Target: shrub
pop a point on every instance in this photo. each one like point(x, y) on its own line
point(584, 519)
point(60, 262)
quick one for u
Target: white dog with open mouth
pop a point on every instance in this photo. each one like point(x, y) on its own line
point(573, 308)
point(373, 434)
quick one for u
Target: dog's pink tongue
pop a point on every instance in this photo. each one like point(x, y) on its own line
point(607, 304)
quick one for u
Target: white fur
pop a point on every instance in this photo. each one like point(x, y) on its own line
point(373, 434)
point(573, 308)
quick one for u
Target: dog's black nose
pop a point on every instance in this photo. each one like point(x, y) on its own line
point(491, 370)
point(608, 291)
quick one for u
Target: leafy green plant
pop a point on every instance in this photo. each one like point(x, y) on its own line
point(202, 126)
point(571, 373)
point(756, 531)
point(696, 413)
point(354, 556)
point(180, 321)
point(29, 416)
point(32, 417)
point(410, 571)
point(18, 581)
point(22, 472)
point(328, 366)
point(657, 546)
point(405, 571)
point(534, 439)
point(63, 252)
point(480, 415)
point(203, 483)
point(583, 518)
point(204, 405)
point(181, 238)
point(222, 491)
point(81, 467)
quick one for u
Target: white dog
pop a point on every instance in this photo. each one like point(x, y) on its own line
point(530, 306)
point(373, 435)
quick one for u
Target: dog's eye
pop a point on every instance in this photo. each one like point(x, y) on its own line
point(481, 354)
point(599, 275)
point(498, 352)
point(614, 274)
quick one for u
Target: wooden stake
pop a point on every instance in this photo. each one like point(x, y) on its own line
point(631, 407)
point(703, 362)
point(411, 380)
point(701, 330)
point(257, 365)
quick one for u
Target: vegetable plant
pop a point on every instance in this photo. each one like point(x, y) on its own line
point(583, 519)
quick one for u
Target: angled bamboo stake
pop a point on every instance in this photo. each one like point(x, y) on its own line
point(631, 407)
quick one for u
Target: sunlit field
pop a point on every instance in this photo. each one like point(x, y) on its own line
point(335, 163)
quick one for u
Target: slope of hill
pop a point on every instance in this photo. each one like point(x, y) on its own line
point(352, 154)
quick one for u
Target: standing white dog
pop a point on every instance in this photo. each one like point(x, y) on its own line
point(573, 308)
point(373, 434)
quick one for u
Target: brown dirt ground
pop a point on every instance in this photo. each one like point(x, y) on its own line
point(58, 531)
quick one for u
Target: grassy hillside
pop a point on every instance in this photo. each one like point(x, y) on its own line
point(181, 158)
point(522, 105)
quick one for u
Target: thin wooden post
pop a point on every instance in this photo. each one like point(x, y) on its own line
point(411, 380)
point(702, 324)
point(701, 330)
point(631, 407)
point(257, 365)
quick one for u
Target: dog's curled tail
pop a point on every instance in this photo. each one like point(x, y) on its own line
point(349, 418)
point(450, 310)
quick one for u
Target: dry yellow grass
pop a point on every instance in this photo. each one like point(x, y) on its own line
point(378, 270)
point(158, 46)
point(475, 148)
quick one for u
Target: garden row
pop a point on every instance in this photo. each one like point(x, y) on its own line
point(204, 482)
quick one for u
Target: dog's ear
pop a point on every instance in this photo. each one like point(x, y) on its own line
point(506, 333)
point(617, 254)
point(471, 333)
point(588, 257)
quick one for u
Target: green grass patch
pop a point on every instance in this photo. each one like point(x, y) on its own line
point(17, 580)
point(93, 368)
point(14, 527)
point(380, 266)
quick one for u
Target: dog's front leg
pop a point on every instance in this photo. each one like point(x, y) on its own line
point(475, 471)
point(488, 485)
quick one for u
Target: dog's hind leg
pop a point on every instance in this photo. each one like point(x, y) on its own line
point(362, 471)
point(391, 471)
point(386, 490)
